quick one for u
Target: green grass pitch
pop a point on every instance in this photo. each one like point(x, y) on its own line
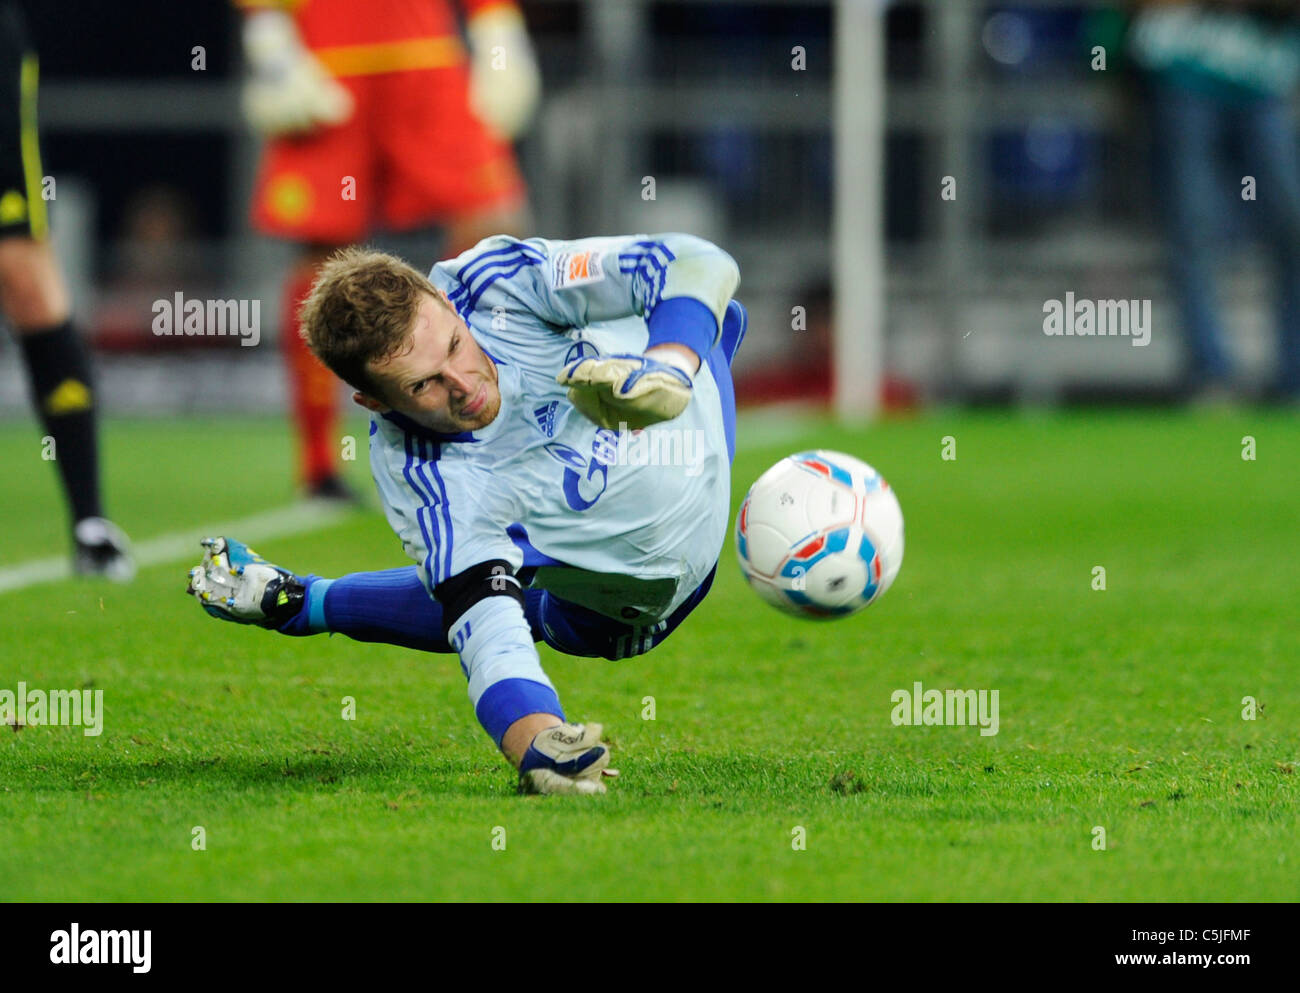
point(1120, 709)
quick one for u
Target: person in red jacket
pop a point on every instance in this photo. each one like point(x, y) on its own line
point(378, 116)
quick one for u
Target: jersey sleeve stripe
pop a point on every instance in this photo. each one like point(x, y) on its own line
point(649, 268)
point(459, 298)
point(660, 247)
point(427, 519)
point(475, 276)
point(428, 514)
point(477, 294)
point(473, 270)
point(430, 452)
point(650, 272)
point(446, 510)
point(422, 518)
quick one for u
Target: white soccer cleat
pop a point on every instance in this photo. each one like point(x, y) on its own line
point(568, 759)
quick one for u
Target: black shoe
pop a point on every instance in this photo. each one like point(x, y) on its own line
point(103, 551)
point(333, 488)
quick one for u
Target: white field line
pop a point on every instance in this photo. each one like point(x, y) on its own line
point(306, 515)
point(754, 429)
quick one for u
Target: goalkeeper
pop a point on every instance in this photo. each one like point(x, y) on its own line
point(500, 390)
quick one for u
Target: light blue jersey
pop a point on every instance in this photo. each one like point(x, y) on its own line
point(625, 524)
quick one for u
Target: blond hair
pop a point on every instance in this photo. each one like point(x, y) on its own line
point(361, 309)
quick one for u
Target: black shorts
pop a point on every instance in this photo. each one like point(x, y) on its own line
point(22, 206)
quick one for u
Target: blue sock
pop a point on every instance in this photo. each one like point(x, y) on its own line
point(391, 607)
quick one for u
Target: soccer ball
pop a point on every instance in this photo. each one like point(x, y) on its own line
point(820, 534)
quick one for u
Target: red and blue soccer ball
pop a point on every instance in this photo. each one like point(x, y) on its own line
point(820, 535)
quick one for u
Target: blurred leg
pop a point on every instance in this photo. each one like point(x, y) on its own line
point(317, 191)
point(1269, 144)
point(32, 292)
point(313, 389)
point(35, 300)
point(1186, 129)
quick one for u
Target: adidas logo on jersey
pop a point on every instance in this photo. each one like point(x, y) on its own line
point(545, 415)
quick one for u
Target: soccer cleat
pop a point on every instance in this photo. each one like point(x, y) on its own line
point(567, 758)
point(333, 488)
point(631, 390)
point(234, 583)
point(103, 550)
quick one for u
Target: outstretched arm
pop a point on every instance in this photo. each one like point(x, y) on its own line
point(679, 283)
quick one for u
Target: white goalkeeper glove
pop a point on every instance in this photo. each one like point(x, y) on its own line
point(627, 389)
point(504, 81)
point(234, 583)
point(567, 758)
point(287, 91)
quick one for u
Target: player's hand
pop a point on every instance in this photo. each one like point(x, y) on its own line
point(626, 389)
point(567, 758)
point(234, 583)
point(287, 91)
point(504, 82)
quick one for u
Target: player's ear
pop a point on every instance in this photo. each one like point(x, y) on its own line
point(369, 402)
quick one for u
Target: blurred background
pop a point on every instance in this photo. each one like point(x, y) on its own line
point(732, 108)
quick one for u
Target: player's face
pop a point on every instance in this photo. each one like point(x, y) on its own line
point(443, 380)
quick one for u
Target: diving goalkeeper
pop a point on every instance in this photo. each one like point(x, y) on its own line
point(500, 391)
